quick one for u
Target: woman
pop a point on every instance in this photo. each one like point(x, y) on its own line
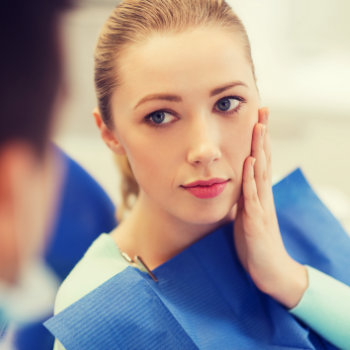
point(178, 102)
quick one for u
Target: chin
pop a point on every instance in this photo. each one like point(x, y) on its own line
point(211, 216)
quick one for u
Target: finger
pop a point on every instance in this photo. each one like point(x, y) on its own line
point(263, 119)
point(260, 170)
point(268, 157)
point(263, 116)
point(249, 189)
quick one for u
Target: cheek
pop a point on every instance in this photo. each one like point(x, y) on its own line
point(152, 154)
point(147, 161)
point(238, 139)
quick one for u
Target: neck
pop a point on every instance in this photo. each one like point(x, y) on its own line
point(156, 235)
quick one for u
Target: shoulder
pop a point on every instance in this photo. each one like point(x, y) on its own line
point(101, 262)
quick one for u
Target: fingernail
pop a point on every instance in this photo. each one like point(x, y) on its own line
point(267, 113)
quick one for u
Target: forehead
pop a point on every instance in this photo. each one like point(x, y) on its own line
point(196, 59)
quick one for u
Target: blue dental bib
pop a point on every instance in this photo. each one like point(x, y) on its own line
point(204, 299)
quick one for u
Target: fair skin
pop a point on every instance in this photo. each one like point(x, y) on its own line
point(28, 187)
point(207, 125)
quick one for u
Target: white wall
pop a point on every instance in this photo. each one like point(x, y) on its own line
point(302, 52)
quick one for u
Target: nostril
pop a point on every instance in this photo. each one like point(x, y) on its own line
point(204, 155)
point(204, 142)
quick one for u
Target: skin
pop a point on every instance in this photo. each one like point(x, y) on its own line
point(256, 232)
point(28, 188)
point(200, 69)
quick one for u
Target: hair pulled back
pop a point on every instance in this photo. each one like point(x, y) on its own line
point(134, 21)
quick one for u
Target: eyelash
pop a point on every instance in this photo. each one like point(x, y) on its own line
point(149, 121)
point(235, 110)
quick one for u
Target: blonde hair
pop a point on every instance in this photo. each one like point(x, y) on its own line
point(133, 21)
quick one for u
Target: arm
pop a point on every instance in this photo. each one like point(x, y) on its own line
point(325, 307)
point(262, 253)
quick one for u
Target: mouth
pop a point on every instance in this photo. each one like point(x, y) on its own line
point(206, 188)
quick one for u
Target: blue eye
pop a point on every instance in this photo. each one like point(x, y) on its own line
point(228, 104)
point(158, 118)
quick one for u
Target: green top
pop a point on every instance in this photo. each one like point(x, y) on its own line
point(325, 305)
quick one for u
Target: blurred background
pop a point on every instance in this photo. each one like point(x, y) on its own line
point(301, 50)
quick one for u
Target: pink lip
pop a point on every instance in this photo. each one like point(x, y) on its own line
point(206, 188)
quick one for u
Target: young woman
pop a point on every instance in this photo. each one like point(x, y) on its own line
point(178, 103)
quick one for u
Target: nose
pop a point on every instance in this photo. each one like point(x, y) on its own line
point(204, 142)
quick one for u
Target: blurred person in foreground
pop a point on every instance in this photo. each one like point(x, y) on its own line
point(30, 93)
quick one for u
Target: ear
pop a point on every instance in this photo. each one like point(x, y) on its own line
point(107, 134)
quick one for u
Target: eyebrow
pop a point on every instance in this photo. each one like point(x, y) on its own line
point(176, 98)
point(164, 97)
point(225, 87)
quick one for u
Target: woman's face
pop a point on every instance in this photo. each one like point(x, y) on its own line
point(185, 112)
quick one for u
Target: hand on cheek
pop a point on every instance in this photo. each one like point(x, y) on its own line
point(256, 232)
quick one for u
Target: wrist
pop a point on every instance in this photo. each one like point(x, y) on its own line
point(291, 284)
